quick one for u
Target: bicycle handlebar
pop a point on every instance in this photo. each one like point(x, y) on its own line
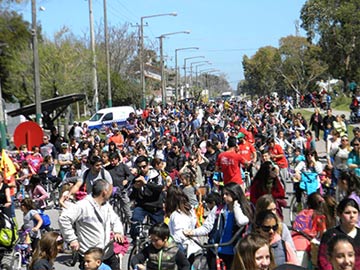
point(216, 245)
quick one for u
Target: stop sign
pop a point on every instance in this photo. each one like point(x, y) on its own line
point(29, 133)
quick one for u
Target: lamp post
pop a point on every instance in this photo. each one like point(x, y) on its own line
point(141, 55)
point(207, 71)
point(196, 72)
point(197, 62)
point(36, 62)
point(185, 59)
point(176, 68)
point(107, 56)
point(163, 86)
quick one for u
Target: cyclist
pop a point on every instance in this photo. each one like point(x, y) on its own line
point(121, 176)
point(162, 253)
point(148, 195)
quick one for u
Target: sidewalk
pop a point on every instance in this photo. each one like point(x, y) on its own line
point(320, 145)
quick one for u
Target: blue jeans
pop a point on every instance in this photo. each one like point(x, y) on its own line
point(138, 217)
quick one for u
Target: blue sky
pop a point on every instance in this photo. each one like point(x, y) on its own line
point(223, 30)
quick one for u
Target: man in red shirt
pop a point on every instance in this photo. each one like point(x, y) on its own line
point(229, 162)
point(246, 149)
point(278, 157)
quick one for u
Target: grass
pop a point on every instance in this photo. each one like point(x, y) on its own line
point(307, 115)
point(341, 103)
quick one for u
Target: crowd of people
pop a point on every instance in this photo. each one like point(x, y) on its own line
point(237, 159)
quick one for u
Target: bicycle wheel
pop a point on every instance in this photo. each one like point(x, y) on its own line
point(135, 250)
point(200, 262)
point(296, 207)
point(16, 261)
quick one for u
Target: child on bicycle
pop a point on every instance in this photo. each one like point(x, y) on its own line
point(163, 253)
point(93, 258)
point(32, 221)
point(224, 222)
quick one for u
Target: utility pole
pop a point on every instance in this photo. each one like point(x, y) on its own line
point(36, 62)
point(107, 56)
point(92, 43)
point(2, 122)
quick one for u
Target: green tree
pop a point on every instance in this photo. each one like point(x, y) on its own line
point(335, 26)
point(15, 37)
point(261, 71)
point(300, 64)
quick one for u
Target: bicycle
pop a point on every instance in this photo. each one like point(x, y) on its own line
point(142, 240)
point(200, 262)
point(296, 207)
point(18, 256)
point(117, 204)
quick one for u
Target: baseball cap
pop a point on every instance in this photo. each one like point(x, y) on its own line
point(240, 135)
point(64, 145)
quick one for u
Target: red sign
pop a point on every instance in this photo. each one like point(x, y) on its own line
point(29, 133)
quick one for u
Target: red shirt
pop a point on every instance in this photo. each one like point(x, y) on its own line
point(282, 161)
point(229, 164)
point(246, 149)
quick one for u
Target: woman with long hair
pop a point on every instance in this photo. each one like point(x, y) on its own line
point(267, 202)
point(253, 252)
point(348, 213)
point(308, 172)
point(227, 220)
point(267, 225)
point(179, 210)
point(267, 181)
point(49, 246)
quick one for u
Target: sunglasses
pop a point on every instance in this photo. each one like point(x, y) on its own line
point(356, 144)
point(268, 228)
point(142, 167)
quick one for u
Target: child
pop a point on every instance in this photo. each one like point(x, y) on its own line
point(188, 187)
point(298, 157)
point(162, 244)
point(93, 259)
point(325, 179)
point(32, 221)
point(49, 246)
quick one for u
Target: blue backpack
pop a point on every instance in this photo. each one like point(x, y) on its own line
point(45, 218)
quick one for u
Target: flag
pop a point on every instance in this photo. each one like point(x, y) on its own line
point(199, 212)
point(6, 165)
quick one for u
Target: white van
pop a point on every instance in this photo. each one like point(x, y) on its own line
point(105, 117)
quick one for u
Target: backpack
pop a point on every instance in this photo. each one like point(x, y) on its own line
point(279, 250)
point(307, 226)
point(45, 218)
point(81, 193)
point(8, 231)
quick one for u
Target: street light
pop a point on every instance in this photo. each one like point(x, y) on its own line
point(197, 62)
point(36, 62)
point(141, 55)
point(176, 68)
point(185, 59)
point(163, 87)
point(207, 71)
point(196, 71)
